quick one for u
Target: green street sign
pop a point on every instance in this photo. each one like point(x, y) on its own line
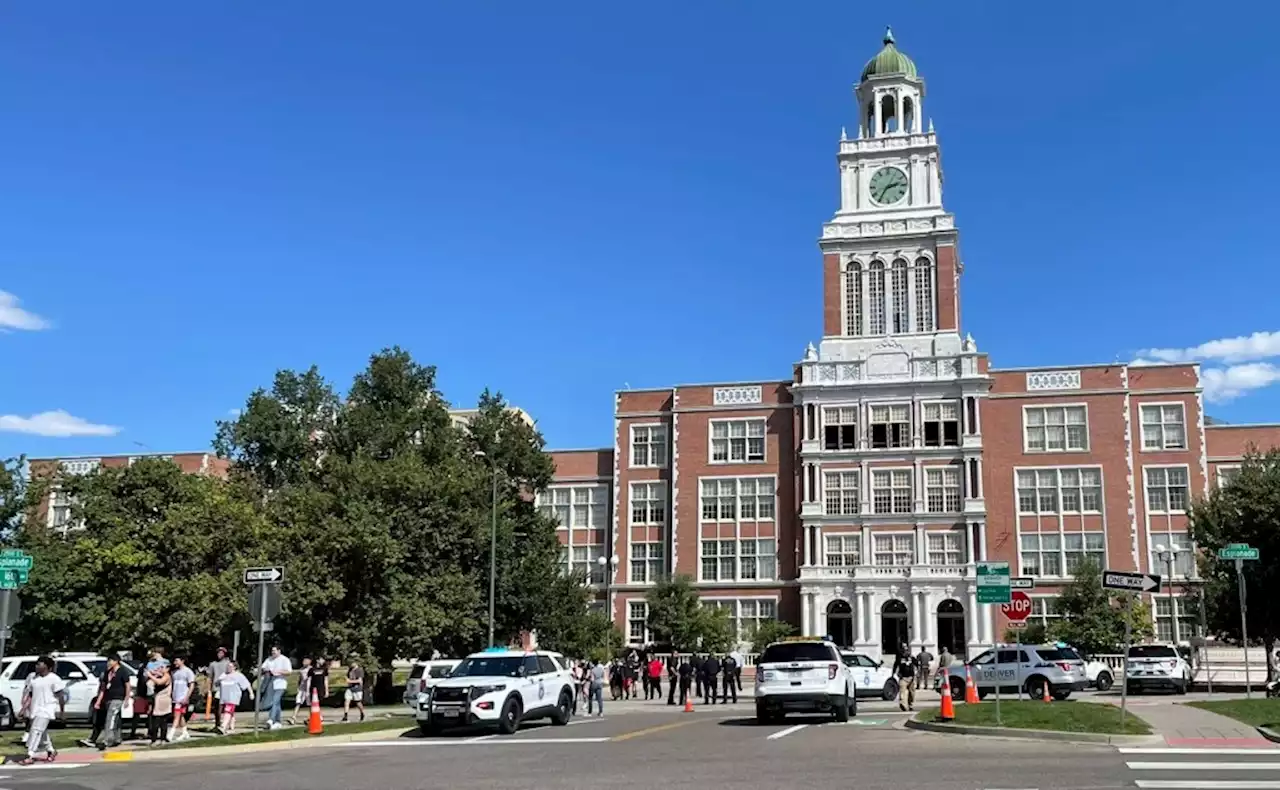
point(994, 583)
point(23, 575)
point(12, 553)
point(1238, 551)
point(9, 580)
point(22, 563)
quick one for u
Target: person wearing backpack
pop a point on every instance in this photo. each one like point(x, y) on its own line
point(729, 668)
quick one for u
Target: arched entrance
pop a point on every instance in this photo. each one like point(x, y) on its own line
point(951, 627)
point(893, 627)
point(840, 623)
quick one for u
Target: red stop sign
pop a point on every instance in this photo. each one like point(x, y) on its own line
point(1019, 608)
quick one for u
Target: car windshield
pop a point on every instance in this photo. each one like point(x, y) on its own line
point(492, 666)
point(1152, 651)
point(96, 667)
point(790, 652)
point(1053, 654)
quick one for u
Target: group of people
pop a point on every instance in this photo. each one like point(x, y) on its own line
point(915, 672)
point(703, 675)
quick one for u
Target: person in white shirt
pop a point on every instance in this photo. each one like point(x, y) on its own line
point(275, 674)
point(184, 684)
point(47, 703)
point(231, 685)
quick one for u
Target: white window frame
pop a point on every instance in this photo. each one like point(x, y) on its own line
point(758, 499)
point(661, 509)
point(645, 631)
point(734, 605)
point(746, 439)
point(839, 409)
point(1229, 468)
point(1182, 609)
point(958, 405)
point(1067, 447)
point(599, 498)
point(765, 564)
point(893, 540)
point(848, 497)
point(1044, 610)
point(654, 567)
point(841, 542)
point(1146, 489)
point(1058, 487)
point(1184, 564)
point(871, 423)
point(911, 491)
point(1164, 445)
point(944, 488)
point(947, 536)
point(655, 450)
point(1060, 553)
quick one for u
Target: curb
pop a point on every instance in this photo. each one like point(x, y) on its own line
point(1270, 734)
point(139, 755)
point(1035, 735)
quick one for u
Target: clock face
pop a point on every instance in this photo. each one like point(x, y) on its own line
point(888, 185)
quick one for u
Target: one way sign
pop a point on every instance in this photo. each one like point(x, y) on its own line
point(1130, 582)
point(263, 575)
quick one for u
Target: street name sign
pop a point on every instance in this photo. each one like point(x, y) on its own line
point(1022, 583)
point(993, 582)
point(1017, 625)
point(263, 575)
point(18, 562)
point(1236, 551)
point(1130, 582)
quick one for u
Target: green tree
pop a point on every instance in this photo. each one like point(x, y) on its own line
point(1094, 622)
point(13, 494)
point(678, 617)
point(159, 561)
point(767, 632)
point(1033, 634)
point(1247, 510)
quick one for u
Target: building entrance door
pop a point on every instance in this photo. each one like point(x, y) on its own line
point(951, 627)
point(893, 627)
point(840, 623)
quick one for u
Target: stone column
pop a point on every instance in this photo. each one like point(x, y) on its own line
point(929, 617)
point(806, 613)
point(917, 628)
point(860, 616)
point(972, 618)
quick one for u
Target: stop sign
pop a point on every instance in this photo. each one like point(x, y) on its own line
point(1018, 608)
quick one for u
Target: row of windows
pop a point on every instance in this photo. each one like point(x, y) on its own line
point(739, 560)
point(1079, 490)
point(869, 312)
point(745, 614)
point(889, 426)
point(895, 549)
point(732, 442)
point(1065, 429)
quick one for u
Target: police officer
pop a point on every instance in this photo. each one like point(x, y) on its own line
point(686, 679)
point(672, 681)
point(730, 667)
point(710, 671)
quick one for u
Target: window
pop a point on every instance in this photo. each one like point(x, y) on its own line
point(60, 503)
point(891, 426)
point(1184, 560)
point(584, 507)
point(924, 295)
point(737, 441)
point(891, 491)
point(1044, 609)
point(648, 445)
point(587, 560)
point(942, 424)
point(1163, 427)
point(942, 489)
point(875, 297)
point(638, 623)
point(1066, 490)
point(840, 427)
point(1079, 546)
point(844, 551)
point(648, 503)
point(746, 614)
point(853, 299)
point(1227, 475)
point(732, 560)
point(1041, 554)
point(1056, 429)
point(1166, 489)
point(1171, 611)
point(898, 282)
point(946, 548)
point(719, 558)
point(738, 499)
point(894, 550)
point(840, 493)
point(646, 563)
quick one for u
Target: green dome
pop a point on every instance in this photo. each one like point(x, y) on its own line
point(889, 60)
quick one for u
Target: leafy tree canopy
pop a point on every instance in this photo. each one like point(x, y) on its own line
point(1092, 620)
point(677, 616)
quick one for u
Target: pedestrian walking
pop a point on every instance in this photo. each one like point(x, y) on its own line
point(924, 662)
point(597, 689)
point(231, 687)
point(183, 681)
point(114, 694)
point(355, 690)
point(303, 697)
point(48, 702)
point(904, 668)
point(275, 672)
point(730, 670)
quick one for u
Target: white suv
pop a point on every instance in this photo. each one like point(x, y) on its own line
point(803, 675)
point(79, 670)
point(1156, 666)
point(499, 687)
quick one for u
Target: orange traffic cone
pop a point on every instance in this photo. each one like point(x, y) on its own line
point(970, 690)
point(1046, 692)
point(948, 712)
point(688, 704)
point(315, 724)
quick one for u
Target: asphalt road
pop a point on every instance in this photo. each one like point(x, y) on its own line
point(712, 747)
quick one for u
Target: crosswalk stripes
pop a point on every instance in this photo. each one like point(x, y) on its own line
point(1204, 769)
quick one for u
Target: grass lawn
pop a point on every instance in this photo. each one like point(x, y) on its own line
point(1254, 712)
point(398, 723)
point(1058, 716)
point(63, 738)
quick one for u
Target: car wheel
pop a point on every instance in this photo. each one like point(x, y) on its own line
point(1035, 688)
point(957, 690)
point(509, 721)
point(1132, 690)
point(564, 709)
point(1184, 686)
point(840, 712)
point(1104, 681)
point(890, 692)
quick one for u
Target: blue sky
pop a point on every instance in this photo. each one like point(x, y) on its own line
point(562, 199)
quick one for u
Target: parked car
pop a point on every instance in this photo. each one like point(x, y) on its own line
point(1158, 666)
point(871, 678)
point(502, 688)
point(425, 675)
point(803, 675)
point(79, 670)
point(1022, 669)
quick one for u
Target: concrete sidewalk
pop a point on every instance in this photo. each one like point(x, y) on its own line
point(1182, 725)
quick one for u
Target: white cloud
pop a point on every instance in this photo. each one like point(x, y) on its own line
point(54, 423)
point(1240, 368)
point(1259, 345)
point(14, 317)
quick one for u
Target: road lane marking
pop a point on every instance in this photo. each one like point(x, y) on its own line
point(788, 731)
point(1261, 750)
point(1174, 784)
point(480, 738)
point(43, 766)
point(468, 741)
point(651, 730)
point(1203, 766)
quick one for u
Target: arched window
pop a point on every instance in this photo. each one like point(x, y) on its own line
point(900, 299)
point(853, 299)
point(924, 295)
point(875, 293)
point(888, 114)
point(871, 119)
point(908, 115)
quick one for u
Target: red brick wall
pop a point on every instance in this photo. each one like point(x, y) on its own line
point(1231, 442)
point(832, 295)
point(948, 289)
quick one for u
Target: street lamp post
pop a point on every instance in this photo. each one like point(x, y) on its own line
point(1169, 555)
point(608, 563)
point(493, 541)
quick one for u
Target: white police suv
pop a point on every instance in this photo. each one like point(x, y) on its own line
point(871, 678)
point(803, 676)
point(499, 687)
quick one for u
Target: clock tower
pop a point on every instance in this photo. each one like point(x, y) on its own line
point(892, 515)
